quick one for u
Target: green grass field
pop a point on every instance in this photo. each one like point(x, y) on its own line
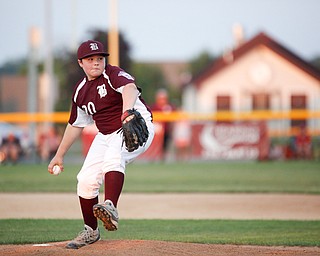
point(245, 232)
point(208, 177)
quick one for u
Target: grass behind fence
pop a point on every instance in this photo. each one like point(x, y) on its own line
point(207, 177)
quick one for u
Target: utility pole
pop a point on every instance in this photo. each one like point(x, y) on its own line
point(50, 90)
point(74, 32)
point(113, 35)
point(34, 42)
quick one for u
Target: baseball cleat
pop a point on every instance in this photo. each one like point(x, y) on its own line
point(108, 214)
point(85, 237)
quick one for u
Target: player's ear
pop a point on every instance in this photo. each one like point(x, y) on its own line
point(80, 63)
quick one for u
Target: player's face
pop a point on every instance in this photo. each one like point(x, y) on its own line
point(93, 66)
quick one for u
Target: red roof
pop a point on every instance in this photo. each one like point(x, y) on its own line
point(258, 40)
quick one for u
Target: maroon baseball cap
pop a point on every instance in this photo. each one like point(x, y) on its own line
point(90, 48)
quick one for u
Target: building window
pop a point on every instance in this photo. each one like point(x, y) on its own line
point(223, 103)
point(298, 102)
point(260, 101)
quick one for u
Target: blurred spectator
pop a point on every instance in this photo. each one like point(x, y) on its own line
point(162, 104)
point(10, 149)
point(48, 144)
point(182, 139)
point(303, 144)
point(291, 148)
point(277, 152)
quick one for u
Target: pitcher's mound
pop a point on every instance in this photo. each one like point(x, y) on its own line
point(153, 248)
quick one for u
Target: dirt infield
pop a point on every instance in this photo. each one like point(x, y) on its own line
point(154, 248)
point(209, 206)
point(169, 206)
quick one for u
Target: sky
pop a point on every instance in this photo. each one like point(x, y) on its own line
point(161, 30)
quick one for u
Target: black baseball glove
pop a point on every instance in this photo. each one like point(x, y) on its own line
point(134, 128)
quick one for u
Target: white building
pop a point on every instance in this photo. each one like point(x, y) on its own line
point(259, 74)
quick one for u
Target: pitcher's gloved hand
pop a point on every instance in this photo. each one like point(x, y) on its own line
point(134, 128)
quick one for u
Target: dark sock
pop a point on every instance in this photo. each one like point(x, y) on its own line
point(87, 212)
point(113, 183)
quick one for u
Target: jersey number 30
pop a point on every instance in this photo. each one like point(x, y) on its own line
point(90, 109)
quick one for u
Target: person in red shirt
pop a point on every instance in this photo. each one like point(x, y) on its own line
point(303, 144)
point(102, 96)
point(162, 104)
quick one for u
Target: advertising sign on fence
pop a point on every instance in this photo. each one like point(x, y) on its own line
point(230, 141)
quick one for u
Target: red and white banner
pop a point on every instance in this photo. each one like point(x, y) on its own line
point(234, 141)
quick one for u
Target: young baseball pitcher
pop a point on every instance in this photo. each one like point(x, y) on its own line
point(108, 96)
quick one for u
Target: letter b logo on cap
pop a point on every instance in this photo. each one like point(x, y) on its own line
point(94, 46)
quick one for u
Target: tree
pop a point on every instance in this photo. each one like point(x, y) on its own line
point(14, 67)
point(68, 74)
point(149, 78)
point(200, 63)
point(316, 62)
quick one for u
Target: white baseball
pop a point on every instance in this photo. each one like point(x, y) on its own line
point(56, 170)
